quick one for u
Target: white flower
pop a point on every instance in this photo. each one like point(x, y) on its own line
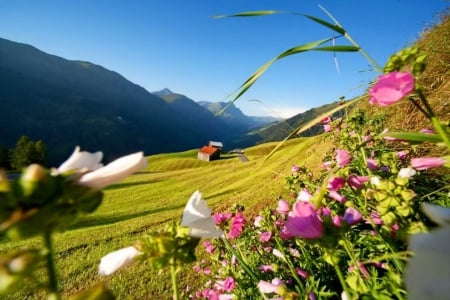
point(197, 216)
point(427, 274)
point(406, 173)
point(81, 161)
point(375, 180)
point(113, 261)
point(344, 296)
point(97, 176)
point(114, 171)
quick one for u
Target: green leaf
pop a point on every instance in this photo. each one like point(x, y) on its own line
point(334, 27)
point(256, 75)
point(338, 48)
point(256, 13)
point(414, 137)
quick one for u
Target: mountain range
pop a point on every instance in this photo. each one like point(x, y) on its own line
point(69, 102)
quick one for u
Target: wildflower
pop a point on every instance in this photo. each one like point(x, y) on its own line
point(304, 195)
point(113, 261)
point(229, 284)
point(391, 87)
point(327, 127)
point(221, 218)
point(336, 196)
point(357, 182)
point(81, 161)
point(209, 247)
point(343, 157)
point(294, 252)
point(423, 163)
point(372, 164)
point(304, 222)
point(258, 220)
point(336, 183)
point(237, 225)
point(326, 120)
point(302, 272)
point(406, 173)
point(427, 131)
point(375, 218)
point(402, 154)
point(276, 286)
point(207, 271)
point(283, 206)
point(266, 268)
point(337, 221)
point(295, 169)
point(278, 254)
point(197, 216)
point(114, 171)
point(352, 216)
point(265, 236)
point(427, 274)
point(327, 165)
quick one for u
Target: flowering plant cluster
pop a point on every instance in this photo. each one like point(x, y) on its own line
point(354, 230)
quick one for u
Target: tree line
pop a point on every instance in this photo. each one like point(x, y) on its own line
point(24, 153)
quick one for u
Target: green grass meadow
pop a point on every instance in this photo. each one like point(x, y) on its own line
point(151, 198)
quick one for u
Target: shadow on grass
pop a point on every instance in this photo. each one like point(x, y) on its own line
point(128, 184)
point(107, 220)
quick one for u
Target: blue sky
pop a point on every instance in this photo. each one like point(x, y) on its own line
point(176, 44)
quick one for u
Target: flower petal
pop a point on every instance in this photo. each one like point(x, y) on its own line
point(113, 261)
point(82, 160)
point(115, 171)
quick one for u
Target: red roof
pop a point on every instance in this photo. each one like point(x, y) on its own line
point(208, 150)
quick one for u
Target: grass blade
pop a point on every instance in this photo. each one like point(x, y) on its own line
point(334, 27)
point(256, 13)
point(258, 73)
point(338, 48)
point(312, 123)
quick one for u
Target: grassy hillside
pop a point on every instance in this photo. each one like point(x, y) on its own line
point(157, 195)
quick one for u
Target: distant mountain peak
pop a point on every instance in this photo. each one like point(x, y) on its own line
point(163, 92)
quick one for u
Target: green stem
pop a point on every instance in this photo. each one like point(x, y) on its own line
point(53, 289)
point(243, 264)
point(240, 260)
point(173, 273)
point(290, 265)
point(342, 281)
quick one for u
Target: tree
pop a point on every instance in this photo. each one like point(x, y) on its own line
point(27, 152)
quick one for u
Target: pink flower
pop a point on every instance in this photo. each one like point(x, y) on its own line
point(283, 206)
point(237, 225)
point(375, 217)
point(391, 87)
point(304, 222)
point(427, 131)
point(327, 127)
point(352, 216)
point(266, 268)
point(336, 183)
point(336, 196)
point(302, 273)
point(221, 218)
point(304, 195)
point(270, 287)
point(342, 157)
point(229, 284)
point(209, 247)
point(372, 164)
point(402, 154)
point(423, 163)
point(265, 236)
point(295, 169)
point(207, 271)
point(357, 182)
point(337, 221)
point(326, 120)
